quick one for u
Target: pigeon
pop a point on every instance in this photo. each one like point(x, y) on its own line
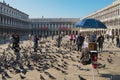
point(17, 70)
point(64, 72)
point(11, 71)
point(1, 70)
point(52, 77)
point(6, 74)
point(3, 77)
point(24, 71)
point(65, 63)
point(109, 60)
point(81, 78)
point(30, 67)
point(101, 66)
point(41, 77)
point(22, 76)
point(38, 69)
point(101, 59)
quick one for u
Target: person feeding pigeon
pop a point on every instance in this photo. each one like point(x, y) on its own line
point(16, 48)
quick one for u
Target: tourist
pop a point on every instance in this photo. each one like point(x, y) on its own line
point(92, 38)
point(36, 43)
point(71, 39)
point(52, 36)
point(85, 56)
point(16, 47)
point(100, 41)
point(59, 40)
point(79, 41)
point(117, 41)
point(74, 38)
point(29, 36)
point(4, 37)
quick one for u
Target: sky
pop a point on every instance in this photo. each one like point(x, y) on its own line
point(58, 8)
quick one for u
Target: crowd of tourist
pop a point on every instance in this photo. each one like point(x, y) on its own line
point(81, 41)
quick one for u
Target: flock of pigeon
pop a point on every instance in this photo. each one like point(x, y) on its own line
point(48, 56)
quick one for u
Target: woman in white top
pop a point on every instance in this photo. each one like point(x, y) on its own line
point(85, 57)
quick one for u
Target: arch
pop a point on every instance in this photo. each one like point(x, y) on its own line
point(73, 32)
point(116, 32)
point(76, 32)
point(119, 32)
point(113, 32)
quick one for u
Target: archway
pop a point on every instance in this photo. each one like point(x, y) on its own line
point(116, 32)
point(113, 32)
point(76, 32)
point(73, 32)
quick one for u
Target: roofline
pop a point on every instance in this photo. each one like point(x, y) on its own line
point(13, 8)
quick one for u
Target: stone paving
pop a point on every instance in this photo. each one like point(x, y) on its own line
point(63, 63)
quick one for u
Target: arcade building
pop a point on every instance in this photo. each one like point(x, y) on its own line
point(110, 16)
point(13, 20)
point(50, 26)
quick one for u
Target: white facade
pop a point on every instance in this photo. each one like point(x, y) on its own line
point(53, 25)
point(109, 15)
point(12, 20)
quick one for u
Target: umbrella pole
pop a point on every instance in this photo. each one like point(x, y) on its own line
point(93, 74)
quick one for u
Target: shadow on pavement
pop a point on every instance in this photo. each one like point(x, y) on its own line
point(112, 77)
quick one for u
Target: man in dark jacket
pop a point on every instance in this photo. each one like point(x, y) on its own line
point(79, 41)
point(15, 40)
point(16, 47)
point(100, 41)
point(59, 40)
point(35, 43)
